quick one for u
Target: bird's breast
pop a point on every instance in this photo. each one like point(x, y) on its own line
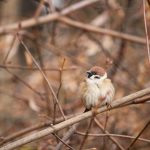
point(91, 95)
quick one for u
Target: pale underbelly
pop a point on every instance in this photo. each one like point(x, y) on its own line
point(91, 97)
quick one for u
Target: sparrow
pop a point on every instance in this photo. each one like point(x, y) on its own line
point(96, 89)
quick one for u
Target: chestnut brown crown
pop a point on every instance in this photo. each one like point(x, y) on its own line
point(98, 70)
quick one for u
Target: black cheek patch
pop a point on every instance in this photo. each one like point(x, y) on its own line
point(89, 74)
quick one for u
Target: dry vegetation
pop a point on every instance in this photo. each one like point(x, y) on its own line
point(45, 48)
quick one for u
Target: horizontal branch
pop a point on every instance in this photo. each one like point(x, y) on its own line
point(60, 16)
point(89, 27)
point(39, 134)
point(44, 19)
point(113, 135)
point(35, 68)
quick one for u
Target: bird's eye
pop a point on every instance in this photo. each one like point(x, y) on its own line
point(97, 77)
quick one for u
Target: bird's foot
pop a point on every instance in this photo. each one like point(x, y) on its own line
point(108, 105)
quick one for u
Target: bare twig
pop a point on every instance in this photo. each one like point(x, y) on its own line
point(63, 142)
point(25, 131)
point(47, 81)
point(69, 133)
point(35, 68)
point(47, 97)
point(60, 77)
point(30, 129)
point(60, 84)
point(105, 126)
point(11, 46)
point(146, 32)
point(44, 19)
point(22, 81)
point(73, 120)
point(13, 74)
point(113, 135)
point(86, 134)
point(58, 16)
point(132, 143)
point(99, 30)
point(111, 138)
point(39, 8)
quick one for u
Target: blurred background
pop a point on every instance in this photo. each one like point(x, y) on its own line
point(65, 53)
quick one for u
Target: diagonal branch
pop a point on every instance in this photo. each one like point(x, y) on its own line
point(39, 134)
point(45, 78)
point(132, 143)
point(100, 30)
point(47, 18)
point(111, 138)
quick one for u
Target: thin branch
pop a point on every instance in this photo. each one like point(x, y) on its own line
point(68, 134)
point(111, 138)
point(63, 142)
point(99, 30)
point(47, 81)
point(105, 126)
point(13, 74)
point(30, 129)
point(60, 77)
point(39, 9)
point(60, 84)
point(35, 68)
point(86, 134)
point(114, 135)
point(47, 18)
point(146, 32)
point(39, 134)
point(11, 46)
point(132, 143)
point(16, 96)
point(22, 81)
point(58, 16)
point(25, 131)
point(47, 96)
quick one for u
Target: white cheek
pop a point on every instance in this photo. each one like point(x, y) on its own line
point(92, 77)
point(104, 76)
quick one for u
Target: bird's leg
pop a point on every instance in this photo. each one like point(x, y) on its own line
point(95, 108)
point(94, 111)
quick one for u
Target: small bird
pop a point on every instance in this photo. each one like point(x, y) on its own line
point(97, 89)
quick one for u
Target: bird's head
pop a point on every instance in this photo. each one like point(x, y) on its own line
point(96, 74)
